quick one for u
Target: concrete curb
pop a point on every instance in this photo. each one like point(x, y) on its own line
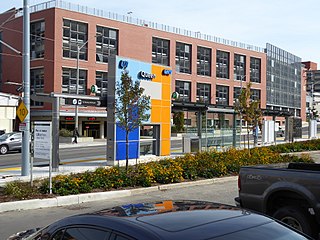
point(90, 197)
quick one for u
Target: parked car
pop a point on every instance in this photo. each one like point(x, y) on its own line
point(170, 220)
point(288, 192)
point(2, 132)
point(10, 142)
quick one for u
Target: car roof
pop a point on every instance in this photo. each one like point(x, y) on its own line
point(171, 219)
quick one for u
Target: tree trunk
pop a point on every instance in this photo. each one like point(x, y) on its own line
point(127, 150)
point(248, 139)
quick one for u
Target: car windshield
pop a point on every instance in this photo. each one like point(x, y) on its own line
point(5, 136)
point(273, 230)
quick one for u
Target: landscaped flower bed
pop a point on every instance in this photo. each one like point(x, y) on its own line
point(171, 170)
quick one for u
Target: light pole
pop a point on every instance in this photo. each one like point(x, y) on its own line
point(241, 79)
point(25, 165)
point(79, 47)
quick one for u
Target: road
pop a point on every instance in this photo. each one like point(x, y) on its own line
point(16, 221)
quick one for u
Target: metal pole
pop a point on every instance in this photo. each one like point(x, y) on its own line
point(241, 115)
point(77, 88)
point(55, 134)
point(25, 165)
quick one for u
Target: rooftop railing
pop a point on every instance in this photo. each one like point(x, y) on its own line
point(136, 21)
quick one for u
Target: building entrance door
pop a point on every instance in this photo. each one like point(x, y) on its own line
point(91, 129)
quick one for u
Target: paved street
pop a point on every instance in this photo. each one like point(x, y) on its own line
point(15, 221)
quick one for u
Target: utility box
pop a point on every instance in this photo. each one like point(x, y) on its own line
point(191, 144)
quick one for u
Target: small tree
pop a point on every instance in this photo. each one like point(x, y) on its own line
point(250, 109)
point(131, 106)
point(178, 121)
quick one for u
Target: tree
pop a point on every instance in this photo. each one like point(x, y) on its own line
point(131, 106)
point(250, 110)
point(178, 121)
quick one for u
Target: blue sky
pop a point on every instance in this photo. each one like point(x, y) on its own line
point(289, 24)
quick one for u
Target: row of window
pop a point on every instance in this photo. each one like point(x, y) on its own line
point(204, 93)
point(75, 41)
point(69, 85)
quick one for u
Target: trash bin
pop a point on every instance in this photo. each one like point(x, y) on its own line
point(191, 144)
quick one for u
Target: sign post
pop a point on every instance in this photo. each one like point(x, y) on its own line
point(43, 145)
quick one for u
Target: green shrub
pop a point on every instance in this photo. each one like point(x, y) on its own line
point(65, 133)
point(188, 167)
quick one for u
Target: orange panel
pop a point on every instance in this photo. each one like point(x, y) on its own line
point(165, 148)
point(155, 114)
point(165, 115)
point(156, 102)
point(165, 131)
point(166, 79)
point(166, 103)
point(166, 92)
point(157, 70)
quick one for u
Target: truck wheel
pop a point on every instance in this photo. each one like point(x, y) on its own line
point(296, 218)
point(3, 149)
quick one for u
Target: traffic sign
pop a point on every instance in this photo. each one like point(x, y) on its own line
point(22, 111)
point(83, 102)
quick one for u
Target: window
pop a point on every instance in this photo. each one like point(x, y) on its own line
point(239, 68)
point(74, 34)
point(184, 90)
point(160, 51)
point(204, 61)
point(69, 81)
point(82, 233)
point(255, 94)
point(222, 95)
point(106, 43)
point(102, 83)
point(236, 93)
point(36, 84)
point(222, 65)
point(37, 30)
point(183, 58)
point(255, 70)
point(203, 93)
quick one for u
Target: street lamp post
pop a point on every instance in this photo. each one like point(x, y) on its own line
point(79, 47)
point(241, 79)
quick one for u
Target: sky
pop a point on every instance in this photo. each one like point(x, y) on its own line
point(291, 25)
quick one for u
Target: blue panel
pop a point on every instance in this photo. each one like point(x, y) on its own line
point(121, 150)
point(121, 143)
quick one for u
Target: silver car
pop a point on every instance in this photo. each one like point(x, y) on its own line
point(10, 142)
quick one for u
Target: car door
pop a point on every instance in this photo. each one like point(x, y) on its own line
point(15, 141)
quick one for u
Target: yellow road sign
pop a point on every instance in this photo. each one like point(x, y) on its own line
point(22, 111)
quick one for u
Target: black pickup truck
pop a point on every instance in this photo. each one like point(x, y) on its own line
point(288, 192)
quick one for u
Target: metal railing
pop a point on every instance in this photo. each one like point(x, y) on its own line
point(139, 22)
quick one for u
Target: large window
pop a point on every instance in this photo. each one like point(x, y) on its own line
point(204, 61)
point(106, 43)
point(239, 68)
point(74, 34)
point(236, 93)
point(203, 93)
point(222, 65)
point(36, 84)
point(160, 51)
point(255, 69)
point(102, 83)
point(184, 90)
point(69, 81)
point(37, 30)
point(255, 94)
point(222, 95)
point(183, 58)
